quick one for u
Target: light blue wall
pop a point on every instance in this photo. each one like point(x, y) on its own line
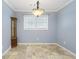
point(62, 28)
point(66, 27)
point(6, 26)
point(25, 36)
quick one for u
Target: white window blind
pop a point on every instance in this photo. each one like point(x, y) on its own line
point(35, 23)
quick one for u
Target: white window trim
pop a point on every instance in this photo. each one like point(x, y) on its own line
point(26, 28)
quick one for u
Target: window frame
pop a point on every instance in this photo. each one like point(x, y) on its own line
point(36, 28)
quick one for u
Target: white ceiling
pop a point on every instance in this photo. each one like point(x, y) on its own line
point(28, 5)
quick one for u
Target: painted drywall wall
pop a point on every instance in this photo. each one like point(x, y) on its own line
point(61, 28)
point(66, 27)
point(6, 26)
point(36, 36)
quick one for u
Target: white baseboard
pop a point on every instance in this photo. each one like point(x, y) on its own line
point(41, 44)
point(36, 43)
point(66, 50)
point(48, 44)
point(6, 51)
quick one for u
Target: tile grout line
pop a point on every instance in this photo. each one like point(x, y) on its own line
point(41, 44)
point(49, 44)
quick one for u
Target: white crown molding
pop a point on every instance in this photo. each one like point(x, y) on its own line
point(31, 10)
point(64, 5)
point(12, 7)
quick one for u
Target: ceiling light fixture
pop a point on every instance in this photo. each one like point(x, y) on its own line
point(38, 11)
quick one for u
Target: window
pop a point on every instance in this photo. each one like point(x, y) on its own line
point(35, 23)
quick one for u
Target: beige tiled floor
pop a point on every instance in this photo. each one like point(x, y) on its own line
point(38, 52)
